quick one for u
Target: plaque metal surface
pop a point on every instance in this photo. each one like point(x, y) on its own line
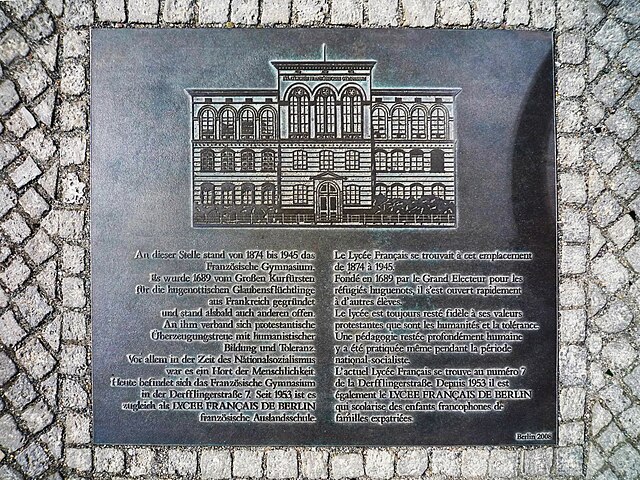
point(323, 237)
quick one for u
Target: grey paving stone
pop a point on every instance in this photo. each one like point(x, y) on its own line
point(217, 11)
point(574, 225)
point(503, 464)
point(32, 79)
point(40, 247)
point(15, 274)
point(15, 228)
point(543, 14)
point(72, 81)
point(573, 259)
point(247, 463)
point(619, 354)
point(7, 199)
point(630, 421)
point(570, 151)
point(489, 11)
point(518, 13)
point(378, 463)
point(32, 306)
point(34, 358)
point(571, 47)
point(109, 460)
point(37, 416)
point(616, 318)
point(78, 459)
point(8, 96)
point(244, 12)
point(350, 12)
point(610, 437)
point(457, 12)
point(77, 429)
point(180, 462)
point(7, 368)
point(25, 172)
point(33, 460)
point(20, 122)
point(346, 465)
point(178, 11)
point(73, 359)
point(610, 272)
point(573, 365)
point(75, 43)
point(10, 334)
point(24, 9)
point(611, 36)
point(73, 189)
point(215, 464)
point(571, 294)
point(633, 381)
point(570, 81)
point(12, 46)
point(412, 462)
point(72, 150)
point(74, 326)
point(72, 115)
point(73, 292)
point(309, 12)
point(474, 463)
point(78, 13)
point(538, 462)
point(614, 398)
point(611, 87)
point(140, 461)
point(39, 145)
point(572, 326)
point(630, 56)
point(281, 464)
point(72, 394)
point(33, 203)
point(44, 109)
point(622, 124)
point(622, 231)
point(40, 26)
point(21, 392)
point(569, 461)
point(110, 10)
point(314, 464)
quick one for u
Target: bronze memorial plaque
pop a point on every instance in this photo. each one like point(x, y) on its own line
point(323, 237)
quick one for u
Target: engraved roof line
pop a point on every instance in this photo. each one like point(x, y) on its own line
point(198, 92)
point(416, 91)
point(323, 64)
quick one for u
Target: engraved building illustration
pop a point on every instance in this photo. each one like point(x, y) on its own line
point(324, 148)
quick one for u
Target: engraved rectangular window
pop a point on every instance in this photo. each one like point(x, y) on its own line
point(247, 124)
point(352, 195)
point(300, 194)
point(207, 193)
point(379, 123)
point(268, 161)
point(380, 158)
point(267, 124)
point(299, 160)
point(299, 113)
point(351, 113)
point(227, 161)
point(227, 193)
point(227, 124)
point(207, 160)
point(325, 113)
point(326, 160)
point(352, 160)
point(399, 123)
point(416, 161)
point(438, 123)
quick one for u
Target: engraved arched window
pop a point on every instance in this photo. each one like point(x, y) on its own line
point(247, 193)
point(247, 161)
point(379, 122)
point(268, 194)
point(380, 158)
point(381, 189)
point(247, 124)
point(416, 160)
point(207, 193)
point(418, 123)
point(438, 123)
point(227, 124)
point(398, 123)
point(352, 195)
point(416, 190)
point(207, 160)
point(326, 160)
point(267, 124)
point(268, 161)
point(228, 161)
point(299, 113)
point(397, 191)
point(351, 113)
point(437, 161)
point(227, 193)
point(438, 190)
point(352, 160)
point(325, 113)
point(207, 123)
point(397, 161)
point(299, 160)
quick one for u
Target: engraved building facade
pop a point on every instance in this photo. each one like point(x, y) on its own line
point(324, 147)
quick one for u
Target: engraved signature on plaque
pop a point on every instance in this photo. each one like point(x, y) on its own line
point(324, 148)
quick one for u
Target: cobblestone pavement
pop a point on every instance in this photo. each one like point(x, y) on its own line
point(45, 427)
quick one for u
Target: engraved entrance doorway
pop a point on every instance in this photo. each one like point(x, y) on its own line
point(328, 202)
